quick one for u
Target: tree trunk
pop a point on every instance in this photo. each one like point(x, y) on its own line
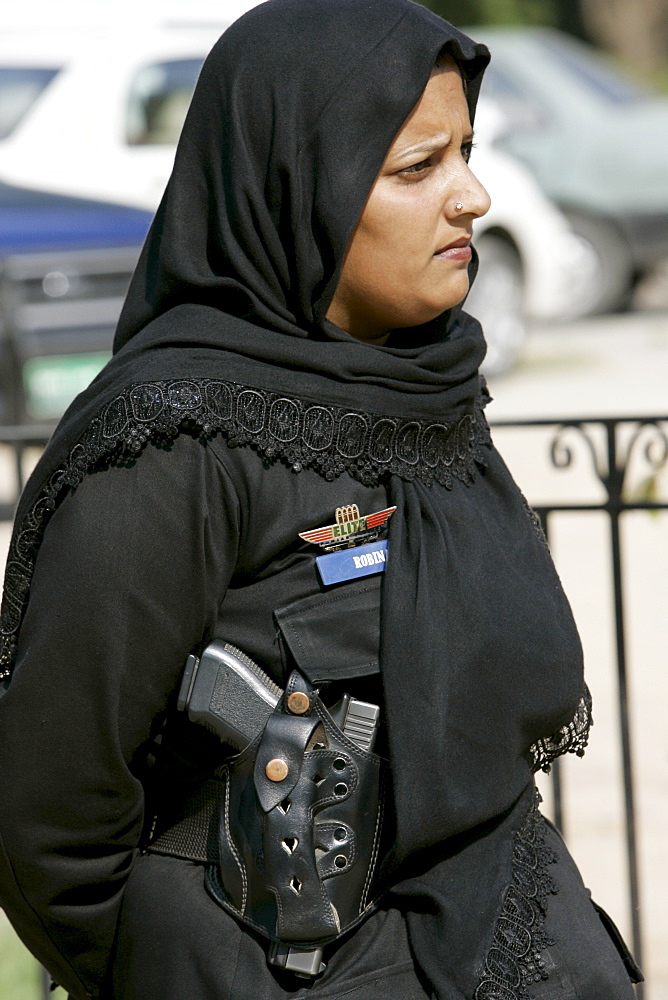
point(637, 32)
point(569, 17)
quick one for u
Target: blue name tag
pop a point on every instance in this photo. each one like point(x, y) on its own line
point(348, 564)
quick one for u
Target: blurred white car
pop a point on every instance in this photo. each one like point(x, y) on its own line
point(97, 115)
point(530, 259)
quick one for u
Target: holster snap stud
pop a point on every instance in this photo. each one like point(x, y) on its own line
point(298, 702)
point(276, 769)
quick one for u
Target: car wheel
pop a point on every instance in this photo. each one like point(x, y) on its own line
point(605, 269)
point(497, 300)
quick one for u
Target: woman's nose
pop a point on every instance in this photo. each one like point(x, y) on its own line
point(470, 198)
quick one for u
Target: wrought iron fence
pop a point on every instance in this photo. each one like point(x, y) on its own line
point(611, 446)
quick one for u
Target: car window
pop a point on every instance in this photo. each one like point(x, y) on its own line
point(611, 86)
point(20, 86)
point(158, 101)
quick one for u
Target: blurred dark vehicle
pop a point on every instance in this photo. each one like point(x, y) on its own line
point(65, 264)
point(597, 144)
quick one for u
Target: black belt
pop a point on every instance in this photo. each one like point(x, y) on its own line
point(190, 830)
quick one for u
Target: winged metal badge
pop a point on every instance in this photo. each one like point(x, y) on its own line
point(350, 528)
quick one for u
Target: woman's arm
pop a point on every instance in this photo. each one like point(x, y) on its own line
point(128, 580)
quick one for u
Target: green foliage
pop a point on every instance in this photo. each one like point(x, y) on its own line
point(495, 11)
point(519, 12)
point(19, 972)
point(660, 80)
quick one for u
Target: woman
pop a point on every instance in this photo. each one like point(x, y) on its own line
point(293, 343)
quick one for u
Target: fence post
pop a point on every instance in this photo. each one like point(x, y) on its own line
point(615, 484)
point(555, 770)
point(45, 984)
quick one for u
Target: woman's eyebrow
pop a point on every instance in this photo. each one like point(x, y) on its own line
point(431, 145)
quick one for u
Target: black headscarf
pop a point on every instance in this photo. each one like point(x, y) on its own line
point(292, 117)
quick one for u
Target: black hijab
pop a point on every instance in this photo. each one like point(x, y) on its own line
point(292, 116)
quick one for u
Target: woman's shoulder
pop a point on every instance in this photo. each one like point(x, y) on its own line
point(178, 471)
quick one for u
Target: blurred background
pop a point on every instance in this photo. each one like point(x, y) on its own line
point(572, 143)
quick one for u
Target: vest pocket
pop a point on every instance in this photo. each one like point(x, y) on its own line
point(334, 636)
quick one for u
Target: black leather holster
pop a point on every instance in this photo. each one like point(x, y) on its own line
point(298, 856)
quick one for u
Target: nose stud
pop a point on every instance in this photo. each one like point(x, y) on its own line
point(459, 206)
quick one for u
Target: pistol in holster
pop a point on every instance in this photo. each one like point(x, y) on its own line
point(300, 823)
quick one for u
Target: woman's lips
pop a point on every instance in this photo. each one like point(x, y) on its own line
point(459, 250)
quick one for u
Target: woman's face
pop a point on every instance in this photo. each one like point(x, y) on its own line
point(407, 260)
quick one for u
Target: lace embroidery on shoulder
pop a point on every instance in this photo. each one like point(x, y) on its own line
point(572, 738)
point(515, 961)
point(328, 439)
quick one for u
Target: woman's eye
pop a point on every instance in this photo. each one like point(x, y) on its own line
point(467, 149)
point(416, 168)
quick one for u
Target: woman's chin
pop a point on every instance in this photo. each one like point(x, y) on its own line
point(454, 298)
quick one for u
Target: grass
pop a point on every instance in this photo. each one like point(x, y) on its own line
point(19, 972)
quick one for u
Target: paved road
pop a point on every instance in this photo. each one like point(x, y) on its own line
point(609, 366)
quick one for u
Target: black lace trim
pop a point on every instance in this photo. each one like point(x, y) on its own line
point(330, 440)
point(515, 960)
point(572, 738)
point(535, 521)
